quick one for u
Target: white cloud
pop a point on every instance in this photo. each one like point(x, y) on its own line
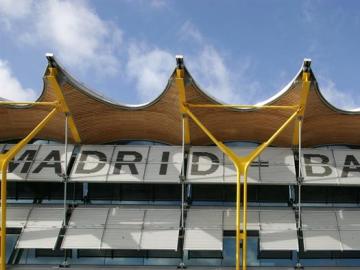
point(189, 31)
point(155, 4)
point(150, 69)
point(214, 76)
point(307, 11)
point(158, 3)
point(224, 81)
point(78, 35)
point(336, 97)
point(15, 9)
point(70, 29)
point(11, 88)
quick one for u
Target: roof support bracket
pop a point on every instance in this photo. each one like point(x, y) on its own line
point(303, 100)
point(180, 82)
point(59, 105)
point(242, 163)
point(51, 78)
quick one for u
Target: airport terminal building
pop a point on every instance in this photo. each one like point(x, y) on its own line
point(100, 185)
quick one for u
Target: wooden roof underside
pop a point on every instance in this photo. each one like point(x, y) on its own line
point(101, 121)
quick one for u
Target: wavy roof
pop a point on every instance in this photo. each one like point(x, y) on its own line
point(100, 120)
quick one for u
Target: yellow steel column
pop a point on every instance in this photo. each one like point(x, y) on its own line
point(3, 214)
point(51, 78)
point(244, 233)
point(60, 105)
point(180, 83)
point(304, 94)
point(4, 161)
point(238, 220)
point(241, 164)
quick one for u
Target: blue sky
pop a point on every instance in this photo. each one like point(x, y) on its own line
point(239, 51)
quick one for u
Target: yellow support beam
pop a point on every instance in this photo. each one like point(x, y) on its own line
point(241, 164)
point(51, 78)
point(4, 161)
point(59, 106)
point(304, 94)
point(180, 83)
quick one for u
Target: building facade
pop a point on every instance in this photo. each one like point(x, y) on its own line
point(136, 192)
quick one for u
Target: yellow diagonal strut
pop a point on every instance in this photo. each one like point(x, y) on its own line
point(59, 105)
point(242, 163)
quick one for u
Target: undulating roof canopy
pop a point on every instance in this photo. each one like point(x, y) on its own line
point(102, 121)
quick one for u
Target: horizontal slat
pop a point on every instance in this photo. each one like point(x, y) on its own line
point(277, 220)
point(350, 240)
point(46, 217)
point(88, 217)
point(16, 216)
point(125, 218)
point(203, 239)
point(159, 239)
point(38, 237)
point(319, 220)
point(84, 238)
point(322, 240)
point(121, 238)
point(278, 240)
point(252, 220)
point(204, 218)
point(162, 218)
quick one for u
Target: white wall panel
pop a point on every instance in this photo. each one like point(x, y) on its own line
point(278, 240)
point(348, 219)
point(125, 175)
point(349, 175)
point(203, 239)
point(88, 217)
point(241, 151)
point(156, 154)
point(22, 167)
point(322, 240)
point(121, 238)
point(16, 216)
point(277, 219)
point(162, 218)
point(46, 149)
point(82, 238)
point(159, 239)
point(277, 156)
point(319, 220)
point(352, 156)
point(317, 156)
point(125, 218)
point(129, 157)
point(205, 170)
point(51, 173)
point(204, 218)
point(276, 174)
point(94, 166)
point(204, 230)
point(161, 229)
point(155, 173)
point(230, 175)
point(350, 240)
point(320, 175)
point(47, 217)
point(252, 220)
point(49, 163)
point(38, 237)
